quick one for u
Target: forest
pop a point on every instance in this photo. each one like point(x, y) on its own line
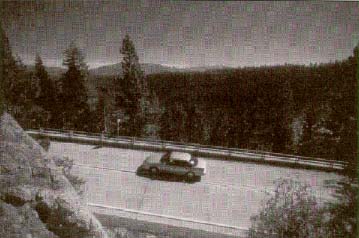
point(305, 110)
point(308, 110)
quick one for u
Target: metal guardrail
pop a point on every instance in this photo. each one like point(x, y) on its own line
point(234, 153)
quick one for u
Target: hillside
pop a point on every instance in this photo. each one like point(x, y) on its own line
point(111, 70)
point(308, 110)
point(116, 69)
point(36, 199)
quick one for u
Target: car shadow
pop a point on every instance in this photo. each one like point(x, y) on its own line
point(165, 177)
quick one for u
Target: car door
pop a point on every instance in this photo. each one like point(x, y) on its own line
point(164, 164)
point(179, 167)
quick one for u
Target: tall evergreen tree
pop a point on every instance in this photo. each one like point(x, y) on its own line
point(282, 135)
point(343, 219)
point(17, 85)
point(8, 71)
point(134, 93)
point(75, 110)
point(306, 147)
point(100, 111)
point(172, 123)
point(167, 132)
point(47, 93)
point(2, 86)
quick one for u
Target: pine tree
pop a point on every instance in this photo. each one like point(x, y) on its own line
point(166, 132)
point(47, 93)
point(75, 110)
point(132, 95)
point(17, 86)
point(194, 125)
point(343, 219)
point(100, 111)
point(8, 72)
point(2, 85)
point(306, 146)
point(173, 123)
point(282, 135)
point(153, 116)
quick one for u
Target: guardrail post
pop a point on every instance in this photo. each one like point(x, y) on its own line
point(133, 140)
point(71, 133)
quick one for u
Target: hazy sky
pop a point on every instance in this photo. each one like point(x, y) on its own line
point(185, 34)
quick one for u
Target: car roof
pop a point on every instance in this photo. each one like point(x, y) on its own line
point(180, 156)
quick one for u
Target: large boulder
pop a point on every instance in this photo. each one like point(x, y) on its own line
point(36, 199)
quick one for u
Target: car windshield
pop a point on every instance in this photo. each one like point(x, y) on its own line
point(180, 156)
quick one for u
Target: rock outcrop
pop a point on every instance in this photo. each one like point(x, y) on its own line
point(36, 199)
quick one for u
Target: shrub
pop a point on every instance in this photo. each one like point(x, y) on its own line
point(44, 141)
point(59, 220)
point(291, 212)
point(343, 212)
point(66, 164)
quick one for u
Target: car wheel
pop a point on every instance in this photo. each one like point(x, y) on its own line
point(153, 172)
point(190, 177)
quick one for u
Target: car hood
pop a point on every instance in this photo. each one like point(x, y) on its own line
point(152, 159)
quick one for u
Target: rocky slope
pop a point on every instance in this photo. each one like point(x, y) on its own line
point(36, 199)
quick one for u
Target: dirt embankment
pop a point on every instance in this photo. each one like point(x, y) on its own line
point(36, 199)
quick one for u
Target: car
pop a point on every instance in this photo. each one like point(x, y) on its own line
point(175, 163)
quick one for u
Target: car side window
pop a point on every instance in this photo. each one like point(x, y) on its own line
point(166, 155)
point(180, 163)
point(165, 158)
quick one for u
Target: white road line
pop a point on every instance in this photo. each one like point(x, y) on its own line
point(266, 191)
point(206, 183)
point(104, 168)
point(168, 216)
point(233, 186)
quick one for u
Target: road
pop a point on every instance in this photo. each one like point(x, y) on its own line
point(229, 194)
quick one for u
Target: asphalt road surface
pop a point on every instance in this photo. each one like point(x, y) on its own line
point(230, 193)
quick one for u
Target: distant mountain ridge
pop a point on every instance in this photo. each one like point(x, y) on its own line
point(116, 69)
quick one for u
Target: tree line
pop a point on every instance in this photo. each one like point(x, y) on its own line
point(37, 100)
point(305, 110)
